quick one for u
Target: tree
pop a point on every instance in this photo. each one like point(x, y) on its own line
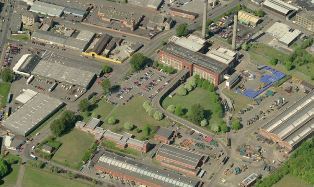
point(65, 123)
point(4, 169)
point(57, 127)
point(204, 122)
point(106, 86)
point(107, 69)
point(128, 126)
point(179, 111)
point(182, 30)
point(188, 87)
point(273, 61)
point(147, 130)
point(112, 120)
point(182, 91)
point(171, 108)
point(236, 125)
point(7, 75)
point(196, 114)
point(151, 111)
point(245, 46)
point(146, 106)
point(215, 127)
point(158, 115)
point(223, 127)
point(138, 61)
point(260, 13)
point(84, 105)
point(289, 65)
point(192, 81)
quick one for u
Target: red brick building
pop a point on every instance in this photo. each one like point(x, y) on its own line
point(175, 12)
point(198, 64)
point(141, 174)
point(181, 160)
point(164, 135)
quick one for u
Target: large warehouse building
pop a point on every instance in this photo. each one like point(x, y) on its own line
point(62, 73)
point(47, 9)
point(293, 125)
point(181, 160)
point(34, 112)
point(198, 64)
point(280, 7)
point(141, 174)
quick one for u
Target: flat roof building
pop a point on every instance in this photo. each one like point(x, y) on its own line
point(280, 7)
point(151, 4)
point(249, 181)
point(26, 64)
point(292, 126)
point(305, 19)
point(198, 64)
point(75, 12)
point(175, 12)
point(32, 114)
point(47, 9)
point(223, 55)
point(188, 43)
point(182, 160)
point(63, 73)
point(283, 33)
point(142, 174)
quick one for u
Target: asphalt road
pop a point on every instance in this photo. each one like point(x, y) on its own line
point(5, 26)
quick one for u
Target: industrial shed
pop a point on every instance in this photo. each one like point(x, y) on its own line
point(32, 114)
point(293, 125)
point(62, 73)
point(47, 9)
point(280, 7)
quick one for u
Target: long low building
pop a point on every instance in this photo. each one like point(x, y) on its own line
point(47, 9)
point(185, 161)
point(63, 73)
point(198, 64)
point(283, 33)
point(280, 7)
point(26, 64)
point(142, 174)
point(293, 125)
point(32, 114)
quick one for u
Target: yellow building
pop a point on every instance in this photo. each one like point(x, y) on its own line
point(248, 18)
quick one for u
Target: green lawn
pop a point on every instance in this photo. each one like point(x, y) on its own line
point(4, 91)
point(103, 109)
point(262, 54)
point(20, 37)
point(74, 145)
point(197, 96)
point(10, 179)
point(291, 181)
point(40, 178)
point(113, 147)
point(134, 112)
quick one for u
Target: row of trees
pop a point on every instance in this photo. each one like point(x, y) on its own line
point(166, 69)
point(157, 115)
point(64, 123)
point(300, 164)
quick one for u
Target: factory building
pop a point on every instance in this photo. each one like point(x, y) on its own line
point(283, 33)
point(38, 107)
point(306, 20)
point(142, 174)
point(248, 18)
point(281, 7)
point(191, 42)
point(181, 160)
point(198, 64)
point(175, 12)
point(293, 125)
point(26, 64)
point(62, 73)
point(49, 9)
point(150, 4)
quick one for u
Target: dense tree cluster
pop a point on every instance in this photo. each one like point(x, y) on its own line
point(165, 68)
point(182, 30)
point(63, 124)
point(157, 115)
point(138, 61)
point(7, 75)
point(106, 86)
point(300, 164)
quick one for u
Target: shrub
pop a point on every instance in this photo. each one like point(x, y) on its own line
point(112, 120)
point(204, 123)
point(128, 126)
point(182, 91)
point(158, 115)
point(171, 108)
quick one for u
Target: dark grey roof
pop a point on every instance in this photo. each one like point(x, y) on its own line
point(194, 57)
point(29, 64)
point(180, 155)
point(101, 43)
point(74, 11)
point(167, 133)
point(130, 167)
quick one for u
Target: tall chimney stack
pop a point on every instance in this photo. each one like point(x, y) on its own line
point(204, 19)
point(234, 35)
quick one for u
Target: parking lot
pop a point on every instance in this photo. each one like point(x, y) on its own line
point(146, 83)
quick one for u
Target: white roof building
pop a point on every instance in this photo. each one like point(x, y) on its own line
point(280, 6)
point(47, 9)
point(283, 33)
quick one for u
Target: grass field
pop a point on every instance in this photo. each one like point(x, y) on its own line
point(74, 145)
point(197, 96)
point(291, 181)
point(4, 91)
point(10, 179)
point(134, 112)
point(40, 178)
point(103, 109)
point(262, 54)
point(20, 37)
